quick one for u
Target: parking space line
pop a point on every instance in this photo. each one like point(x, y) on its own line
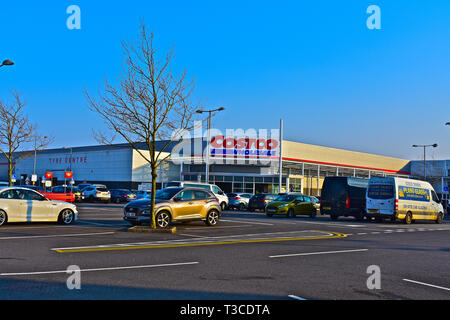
point(57, 236)
point(339, 225)
point(427, 284)
point(248, 222)
point(99, 269)
point(296, 297)
point(191, 235)
point(316, 253)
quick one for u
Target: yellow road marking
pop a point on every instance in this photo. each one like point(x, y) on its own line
point(194, 244)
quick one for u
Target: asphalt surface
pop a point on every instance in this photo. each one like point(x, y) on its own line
point(247, 256)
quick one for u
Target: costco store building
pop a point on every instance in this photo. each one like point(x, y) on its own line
point(303, 166)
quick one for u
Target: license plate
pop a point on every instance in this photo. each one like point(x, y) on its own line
point(373, 211)
point(326, 208)
point(131, 214)
point(272, 210)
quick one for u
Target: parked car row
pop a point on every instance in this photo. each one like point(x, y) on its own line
point(380, 198)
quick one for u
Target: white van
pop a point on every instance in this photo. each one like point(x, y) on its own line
point(405, 199)
point(223, 199)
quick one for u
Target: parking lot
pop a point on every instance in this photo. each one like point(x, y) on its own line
point(246, 256)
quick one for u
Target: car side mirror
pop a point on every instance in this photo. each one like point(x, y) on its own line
point(177, 199)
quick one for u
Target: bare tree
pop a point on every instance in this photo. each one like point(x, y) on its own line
point(17, 132)
point(147, 104)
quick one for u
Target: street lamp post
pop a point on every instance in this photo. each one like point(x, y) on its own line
point(70, 169)
point(6, 63)
point(424, 146)
point(209, 139)
point(35, 155)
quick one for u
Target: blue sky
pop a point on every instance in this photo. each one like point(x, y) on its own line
point(313, 63)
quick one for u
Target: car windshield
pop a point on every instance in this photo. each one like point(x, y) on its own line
point(167, 194)
point(286, 198)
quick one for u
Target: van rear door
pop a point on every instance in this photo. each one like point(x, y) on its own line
point(381, 198)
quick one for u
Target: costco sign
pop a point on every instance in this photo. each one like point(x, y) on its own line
point(244, 146)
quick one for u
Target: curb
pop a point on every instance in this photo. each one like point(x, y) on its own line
point(148, 229)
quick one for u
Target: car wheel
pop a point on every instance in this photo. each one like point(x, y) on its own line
point(223, 206)
point(66, 217)
point(3, 217)
point(439, 219)
point(212, 218)
point(241, 207)
point(251, 210)
point(117, 200)
point(333, 217)
point(313, 213)
point(408, 218)
point(162, 219)
point(360, 216)
point(291, 213)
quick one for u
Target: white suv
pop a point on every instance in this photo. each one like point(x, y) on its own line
point(223, 199)
point(96, 192)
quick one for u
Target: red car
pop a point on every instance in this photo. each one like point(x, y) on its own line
point(56, 194)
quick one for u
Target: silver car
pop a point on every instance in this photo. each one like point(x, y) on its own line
point(239, 200)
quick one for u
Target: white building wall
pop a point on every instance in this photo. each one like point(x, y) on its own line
point(142, 171)
point(101, 165)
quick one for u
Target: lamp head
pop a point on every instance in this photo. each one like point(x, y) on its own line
point(7, 63)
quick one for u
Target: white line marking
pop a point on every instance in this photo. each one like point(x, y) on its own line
point(296, 297)
point(191, 235)
point(339, 225)
point(102, 224)
point(240, 221)
point(100, 269)
point(57, 235)
point(427, 284)
point(316, 253)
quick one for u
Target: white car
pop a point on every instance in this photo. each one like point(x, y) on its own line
point(96, 192)
point(26, 205)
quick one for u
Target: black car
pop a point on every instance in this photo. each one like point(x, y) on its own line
point(122, 195)
point(259, 201)
point(344, 196)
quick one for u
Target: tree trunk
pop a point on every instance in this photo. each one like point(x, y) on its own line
point(154, 176)
point(10, 169)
